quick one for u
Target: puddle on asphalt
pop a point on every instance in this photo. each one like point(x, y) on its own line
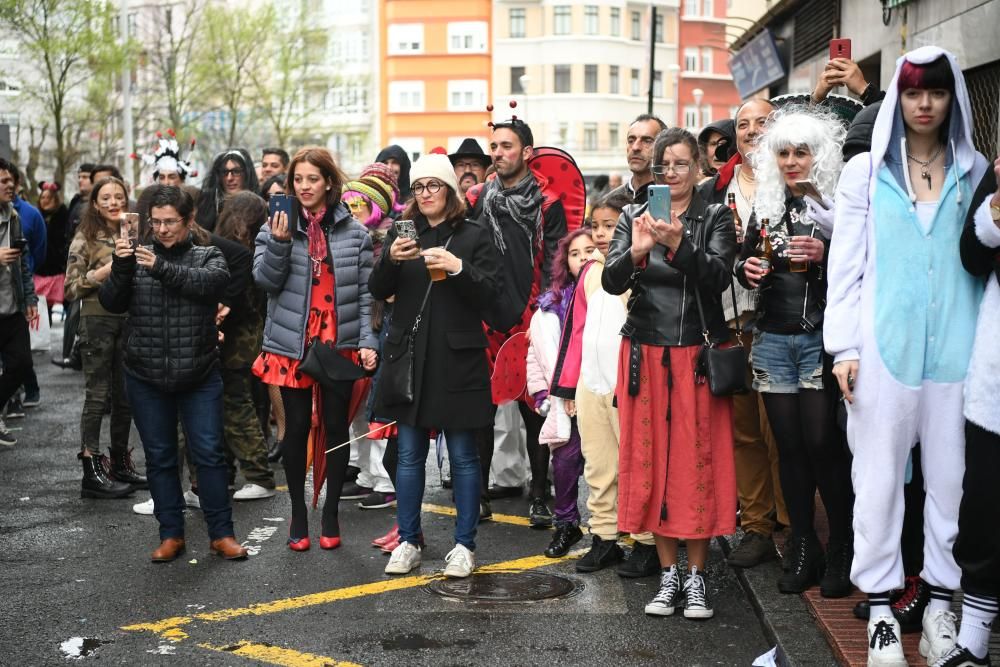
point(76, 648)
point(417, 642)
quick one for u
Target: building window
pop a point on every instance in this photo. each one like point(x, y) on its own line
point(616, 22)
point(709, 8)
point(691, 118)
point(706, 115)
point(590, 78)
point(406, 96)
point(406, 38)
point(515, 81)
point(613, 137)
point(467, 37)
point(658, 84)
point(636, 26)
point(613, 86)
point(414, 146)
point(561, 79)
point(563, 134)
point(706, 60)
point(517, 22)
point(634, 88)
point(691, 59)
point(658, 29)
point(563, 23)
point(467, 95)
point(590, 136)
point(590, 24)
point(690, 7)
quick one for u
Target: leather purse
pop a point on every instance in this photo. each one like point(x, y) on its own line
point(327, 366)
point(725, 369)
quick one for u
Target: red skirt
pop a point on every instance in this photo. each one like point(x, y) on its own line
point(686, 462)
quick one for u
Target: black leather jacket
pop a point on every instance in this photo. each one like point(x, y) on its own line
point(662, 307)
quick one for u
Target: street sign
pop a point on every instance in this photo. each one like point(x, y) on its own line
point(756, 65)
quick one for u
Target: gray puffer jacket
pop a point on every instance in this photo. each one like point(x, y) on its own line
point(284, 271)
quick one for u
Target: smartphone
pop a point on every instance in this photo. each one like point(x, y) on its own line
point(406, 229)
point(130, 227)
point(806, 187)
point(279, 203)
point(19, 244)
point(840, 48)
point(658, 197)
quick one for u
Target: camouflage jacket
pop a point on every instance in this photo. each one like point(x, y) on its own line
point(83, 257)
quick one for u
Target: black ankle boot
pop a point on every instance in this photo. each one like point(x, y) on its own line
point(97, 483)
point(804, 557)
point(566, 536)
point(123, 470)
point(602, 554)
point(836, 581)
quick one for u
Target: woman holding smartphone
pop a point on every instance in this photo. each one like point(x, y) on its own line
point(676, 473)
point(459, 256)
point(315, 273)
point(102, 341)
point(799, 144)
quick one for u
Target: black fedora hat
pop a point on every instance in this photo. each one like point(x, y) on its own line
point(471, 148)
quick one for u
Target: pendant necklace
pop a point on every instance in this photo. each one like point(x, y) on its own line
point(925, 166)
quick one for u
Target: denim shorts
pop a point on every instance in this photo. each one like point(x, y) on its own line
point(784, 364)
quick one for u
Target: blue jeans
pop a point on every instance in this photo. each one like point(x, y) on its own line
point(155, 413)
point(464, 457)
point(784, 364)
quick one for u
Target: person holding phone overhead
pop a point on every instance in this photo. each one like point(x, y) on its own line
point(102, 345)
point(315, 274)
point(441, 323)
point(799, 145)
point(676, 474)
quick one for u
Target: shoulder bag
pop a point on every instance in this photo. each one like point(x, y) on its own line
point(725, 369)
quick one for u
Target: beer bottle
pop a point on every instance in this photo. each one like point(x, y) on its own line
point(765, 252)
point(731, 199)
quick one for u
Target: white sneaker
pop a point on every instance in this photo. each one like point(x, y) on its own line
point(696, 597)
point(191, 500)
point(665, 601)
point(404, 558)
point(884, 648)
point(253, 492)
point(461, 563)
point(939, 634)
point(145, 508)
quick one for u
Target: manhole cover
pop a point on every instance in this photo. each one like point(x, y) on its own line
point(504, 587)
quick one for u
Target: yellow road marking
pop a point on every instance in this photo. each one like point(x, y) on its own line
point(276, 655)
point(497, 518)
point(338, 594)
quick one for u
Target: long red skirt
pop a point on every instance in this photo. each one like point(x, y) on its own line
point(686, 461)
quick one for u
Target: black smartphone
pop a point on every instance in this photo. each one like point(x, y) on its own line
point(19, 243)
point(279, 203)
point(406, 229)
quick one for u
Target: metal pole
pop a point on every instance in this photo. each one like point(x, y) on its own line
point(126, 89)
point(652, 59)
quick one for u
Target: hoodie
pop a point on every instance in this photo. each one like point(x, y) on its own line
point(398, 154)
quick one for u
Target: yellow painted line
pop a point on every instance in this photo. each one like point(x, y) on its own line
point(497, 518)
point(276, 655)
point(281, 488)
point(338, 595)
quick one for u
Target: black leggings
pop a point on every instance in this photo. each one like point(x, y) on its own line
point(298, 419)
point(809, 456)
point(538, 454)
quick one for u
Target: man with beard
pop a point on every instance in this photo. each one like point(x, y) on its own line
point(641, 135)
point(470, 164)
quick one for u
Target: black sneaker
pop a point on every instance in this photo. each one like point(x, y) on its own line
point(696, 606)
point(836, 581)
point(642, 561)
point(665, 600)
point(602, 554)
point(566, 536)
point(7, 438)
point(753, 550)
point(962, 657)
point(15, 410)
point(377, 500)
point(539, 514)
point(32, 399)
point(804, 557)
point(353, 491)
point(485, 510)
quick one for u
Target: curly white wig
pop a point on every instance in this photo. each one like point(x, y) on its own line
point(791, 127)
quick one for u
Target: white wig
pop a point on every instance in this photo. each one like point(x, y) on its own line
point(791, 127)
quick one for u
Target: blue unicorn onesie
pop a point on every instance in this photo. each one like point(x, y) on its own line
point(902, 306)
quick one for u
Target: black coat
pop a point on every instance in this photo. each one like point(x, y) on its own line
point(57, 238)
point(451, 377)
point(172, 339)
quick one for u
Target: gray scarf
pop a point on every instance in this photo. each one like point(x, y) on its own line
point(521, 203)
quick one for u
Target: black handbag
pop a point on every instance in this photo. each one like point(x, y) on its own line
point(725, 369)
point(327, 366)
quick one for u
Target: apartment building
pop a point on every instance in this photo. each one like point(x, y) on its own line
point(705, 90)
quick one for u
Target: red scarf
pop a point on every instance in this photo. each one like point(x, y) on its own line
point(317, 239)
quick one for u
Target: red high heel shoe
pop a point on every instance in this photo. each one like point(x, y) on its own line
point(300, 544)
point(392, 535)
point(329, 542)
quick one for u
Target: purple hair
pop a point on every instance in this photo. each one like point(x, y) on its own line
point(563, 281)
point(377, 216)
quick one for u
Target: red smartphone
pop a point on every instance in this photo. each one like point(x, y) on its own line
point(840, 48)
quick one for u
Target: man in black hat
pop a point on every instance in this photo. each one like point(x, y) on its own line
point(470, 164)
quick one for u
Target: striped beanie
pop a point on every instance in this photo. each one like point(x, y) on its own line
point(377, 191)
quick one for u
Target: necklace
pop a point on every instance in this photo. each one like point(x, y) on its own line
point(751, 183)
point(925, 166)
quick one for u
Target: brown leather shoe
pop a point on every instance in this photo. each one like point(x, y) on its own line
point(228, 548)
point(169, 549)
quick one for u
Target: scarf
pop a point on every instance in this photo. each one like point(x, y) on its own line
point(522, 204)
point(317, 238)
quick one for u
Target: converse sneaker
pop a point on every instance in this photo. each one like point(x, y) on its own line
point(404, 558)
point(665, 600)
point(962, 657)
point(884, 648)
point(939, 634)
point(253, 492)
point(460, 563)
point(146, 508)
point(696, 597)
point(7, 438)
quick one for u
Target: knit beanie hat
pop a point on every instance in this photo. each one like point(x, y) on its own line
point(384, 173)
point(374, 189)
point(435, 165)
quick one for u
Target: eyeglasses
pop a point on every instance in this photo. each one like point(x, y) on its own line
point(433, 187)
point(679, 168)
point(238, 171)
point(166, 222)
point(356, 204)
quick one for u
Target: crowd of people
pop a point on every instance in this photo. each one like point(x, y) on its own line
point(852, 255)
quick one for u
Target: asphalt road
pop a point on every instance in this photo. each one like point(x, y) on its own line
point(77, 581)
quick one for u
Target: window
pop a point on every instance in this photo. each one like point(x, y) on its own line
point(406, 38)
point(658, 84)
point(691, 117)
point(709, 9)
point(690, 7)
point(691, 59)
point(706, 114)
point(562, 23)
point(467, 37)
point(563, 134)
point(706, 60)
point(613, 137)
point(590, 25)
point(634, 89)
point(590, 136)
point(406, 96)
point(561, 79)
point(590, 78)
point(414, 146)
point(616, 22)
point(517, 22)
point(515, 81)
point(613, 86)
point(658, 29)
point(467, 95)
point(636, 26)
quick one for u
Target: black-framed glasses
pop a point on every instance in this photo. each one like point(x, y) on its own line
point(679, 168)
point(238, 171)
point(433, 187)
